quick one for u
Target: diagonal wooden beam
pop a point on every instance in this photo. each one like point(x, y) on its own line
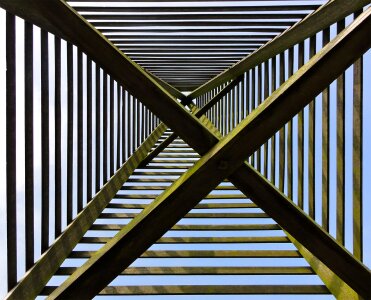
point(326, 15)
point(226, 159)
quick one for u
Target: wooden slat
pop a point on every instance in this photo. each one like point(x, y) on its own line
point(170, 17)
point(190, 215)
point(11, 184)
point(199, 240)
point(45, 156)
point(210, 290)
point(325, 145)
point(237, 227)
point(358, 158)
point(206, 254)
point(29, 148)
point(178, 9)
point(205, 271)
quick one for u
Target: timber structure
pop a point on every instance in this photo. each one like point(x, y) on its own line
point(187, 148)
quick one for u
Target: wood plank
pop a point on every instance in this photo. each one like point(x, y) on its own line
point(206, 254)
point(205, 271)
point(210, 290)
point(198, 240)
point(177, 9)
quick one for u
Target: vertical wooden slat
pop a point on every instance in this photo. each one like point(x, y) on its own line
point(11, 185)
point(112, 127)
point(123, 120)
point(138, 124)
point(57, 133)
point(243, 97)
point(273, 139)
point(253, 107)
point(45, 163)
point(105, 135)
point(118, 130)
point(325, 145)
point(142, 123)
point(282, 132)
point(312, 141)
point(230, 110)
point(289, 132)
point(89, 133)
point(97, 128)
point(247, 93)
point(29, 148)
point(259, 100)
point(301, 139)
point(224, 116)
point(129, 117)
point(233, 108)
point(80, 126)
point(357, 157)
point(266, 94)
point(340, 151)
point(134, 127)
point(69, 132)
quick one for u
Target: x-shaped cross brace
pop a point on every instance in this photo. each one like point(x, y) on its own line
point(225, 158)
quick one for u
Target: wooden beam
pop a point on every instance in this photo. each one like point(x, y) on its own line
point(200, 23)
point(335, 285)
point(226, 159)
point(325, 16)
point(193, 9)
point(193, 17)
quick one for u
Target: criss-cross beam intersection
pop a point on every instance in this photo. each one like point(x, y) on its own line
point(226, 159)
point(221, 158)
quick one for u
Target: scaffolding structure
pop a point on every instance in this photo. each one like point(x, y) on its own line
point(237, 171)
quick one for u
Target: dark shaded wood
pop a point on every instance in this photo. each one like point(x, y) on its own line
point(45, 157)
point(325, 145)
point(312, 142)
point(301, 49)
point(112, 127)
point(340, 152)
point(69, 132)
point(11, 159)
point(97, 128)
point(89, 129)
point(99, 24)
point(58, 136)
point(105, 127)
point(252, 8)
point(80, 141)
point(358, 157)
point(118, 128)
point(169, 17)
point(29, 147)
